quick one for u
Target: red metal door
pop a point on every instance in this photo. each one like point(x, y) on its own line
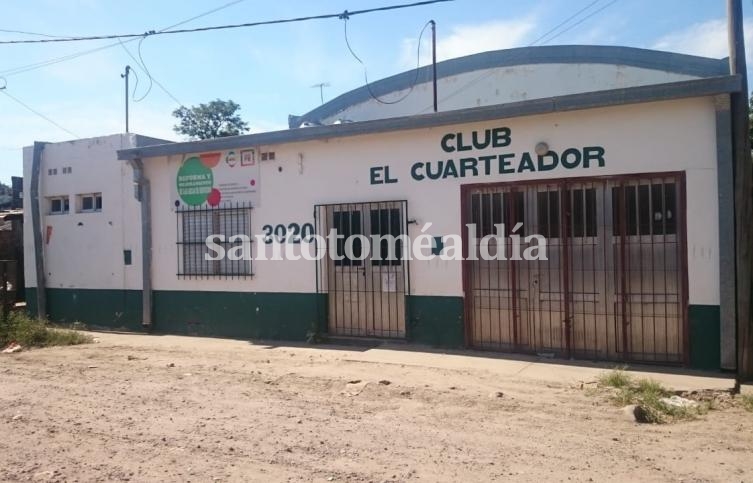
point(613, 284)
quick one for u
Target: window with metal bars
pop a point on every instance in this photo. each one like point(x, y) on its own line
point(195, 224)
point(347, 224)
point(491, 209)
point(386, 221)
point(580, 212)
point(648, 209)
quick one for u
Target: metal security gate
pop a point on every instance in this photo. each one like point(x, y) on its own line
point(365, 278)
point(613, 286)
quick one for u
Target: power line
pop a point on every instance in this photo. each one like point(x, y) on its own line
point(151, 77)
point(366, 75)
point(562, 32)
point(582, 20)
point(224, 27)
point(31, 109)
point(23, 32)
point(491, 72)
point(564, 22)
point(75, 55)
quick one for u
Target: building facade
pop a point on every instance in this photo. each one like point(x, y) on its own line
point(620, 158)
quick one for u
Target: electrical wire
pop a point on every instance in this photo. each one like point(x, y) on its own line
point(143, 66)
point(582, 20)
point(224, 27)
point(545, 35)
point(365, 73)
point(79, 54)
point(31, 109)
point(23, 32)
point(151, 77)
point(491, 72)
point(75, 55)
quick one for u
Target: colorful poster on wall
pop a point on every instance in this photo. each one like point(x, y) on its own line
point(217, 178)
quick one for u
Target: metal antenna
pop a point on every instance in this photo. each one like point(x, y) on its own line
point(321, 87)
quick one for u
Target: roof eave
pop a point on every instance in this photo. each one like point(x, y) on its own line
point(589, 100)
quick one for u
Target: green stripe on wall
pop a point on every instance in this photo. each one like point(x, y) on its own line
point(436, 321)
point(705, 339)
point(114, 309)
point(251, 315)
point(247, 315)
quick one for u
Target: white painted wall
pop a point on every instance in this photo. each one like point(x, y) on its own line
point(502, 85)
point(654, 137)
point(85, 250)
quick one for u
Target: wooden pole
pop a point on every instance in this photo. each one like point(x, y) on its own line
point(743, 185)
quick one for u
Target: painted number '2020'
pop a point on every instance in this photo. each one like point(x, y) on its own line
point(280, 232)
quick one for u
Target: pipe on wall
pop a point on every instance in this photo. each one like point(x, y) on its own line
point(142, 192)
point(36, 224)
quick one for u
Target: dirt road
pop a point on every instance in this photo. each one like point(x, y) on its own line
point(154, 408)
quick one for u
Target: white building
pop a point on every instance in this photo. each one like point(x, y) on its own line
point(605, 151)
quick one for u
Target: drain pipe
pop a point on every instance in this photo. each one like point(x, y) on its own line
point(141, 191)
point(36, 224)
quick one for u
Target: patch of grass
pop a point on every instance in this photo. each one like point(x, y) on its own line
point(30, 332)
point(617, 378)
point(648, 394)
point(747, 400)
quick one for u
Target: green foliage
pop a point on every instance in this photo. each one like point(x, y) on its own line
point(747, 400)
point(216, 119)
point(29, 332)
point(617, 378)
point(648, 394)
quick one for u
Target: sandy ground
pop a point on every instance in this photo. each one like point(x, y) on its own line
point(162, 408)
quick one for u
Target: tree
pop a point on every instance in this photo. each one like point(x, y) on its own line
point(216, 119)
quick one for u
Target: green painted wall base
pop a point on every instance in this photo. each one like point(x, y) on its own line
point(284, 316)
point(705, 338)
point(114, 309)
point(247, 315)
point(435, 321)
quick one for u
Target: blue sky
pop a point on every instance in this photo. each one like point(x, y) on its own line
point(269, 70)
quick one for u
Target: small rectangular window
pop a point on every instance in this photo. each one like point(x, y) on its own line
point(58, 205)
point(386, 221)
point(89, 203)
point(347, 224)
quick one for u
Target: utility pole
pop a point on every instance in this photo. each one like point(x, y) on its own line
point(321, 87)
point(125, 76)
point(743, 185)
point(434, 61)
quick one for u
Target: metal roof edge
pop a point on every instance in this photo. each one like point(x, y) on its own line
point(549, 54)
point(613, 97)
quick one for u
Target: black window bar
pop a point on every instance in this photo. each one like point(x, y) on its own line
point(194, 224)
